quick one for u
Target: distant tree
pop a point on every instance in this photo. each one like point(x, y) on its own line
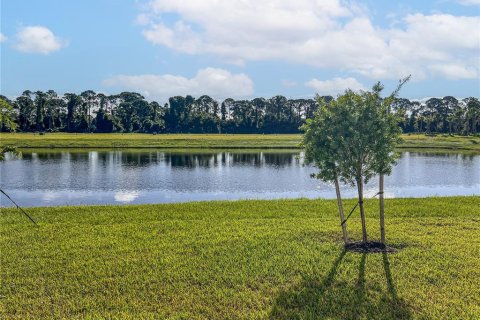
point(143, 112)
point(259, 106)
point(25, 108)
point(402, 107)
point(74, 102)
point(105, 122)
point(448, 108)
point(90, 102)
point(275, 114)
point(225, 109)
point(206, 104)
point(7, 116)
point(157, 118)
point(226, 123)
point(472, 115)
point(40, 99)
point(178, 115)
point(130, 112)
point(54, 111)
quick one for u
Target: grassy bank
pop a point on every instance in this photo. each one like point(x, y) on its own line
point(66, 140)
point(278, 259)
point(139, 140)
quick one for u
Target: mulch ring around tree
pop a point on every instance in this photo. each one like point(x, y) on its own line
point(369, 247)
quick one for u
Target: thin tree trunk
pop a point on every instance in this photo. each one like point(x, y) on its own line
point(88, 120)
point(340, 210)
point(362, 211)
point(382, 209)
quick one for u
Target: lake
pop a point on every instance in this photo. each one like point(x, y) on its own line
point(66, 177)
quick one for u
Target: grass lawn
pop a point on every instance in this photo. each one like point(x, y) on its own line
point(279, 259)
point(137, 140)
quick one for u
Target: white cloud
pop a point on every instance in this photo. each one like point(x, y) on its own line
point(238, 29)
point(181, 37)
point(2, 37)
point(469, 2)
point(430, 41)
point(454, 71)
point(217, 83)
point(38, 39)
point(334, 86)
point(325, 34)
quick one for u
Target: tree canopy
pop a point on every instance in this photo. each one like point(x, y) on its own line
point(352, 138)
point(131, 112)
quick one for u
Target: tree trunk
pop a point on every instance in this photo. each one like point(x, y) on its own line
point(382, 209)
point(88, 119)
point(362, 211)
point(340, 211)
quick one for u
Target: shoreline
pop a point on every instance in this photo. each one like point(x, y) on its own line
point(346, 201)
point(211, 141)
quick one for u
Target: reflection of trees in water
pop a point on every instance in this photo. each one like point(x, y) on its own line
point(255, 159)
point(44, 156)
point(452, 155)
point(137, 159)
point(100, 157)
point(280, 159)
point(208, 160)
point(176, 160)
point(185, 160)
point(204, 159)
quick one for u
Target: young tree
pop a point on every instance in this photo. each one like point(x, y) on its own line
point(323, 150)
point(352, 138)
point(388, 140)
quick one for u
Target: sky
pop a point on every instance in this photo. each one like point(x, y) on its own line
point(240, 48)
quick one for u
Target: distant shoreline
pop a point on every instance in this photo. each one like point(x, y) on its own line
point(214, 141)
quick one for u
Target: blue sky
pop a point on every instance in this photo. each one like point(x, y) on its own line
point(240, 49)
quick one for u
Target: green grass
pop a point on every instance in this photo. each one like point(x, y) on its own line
point(279, 259)
point(445, 142)
point(137, 140)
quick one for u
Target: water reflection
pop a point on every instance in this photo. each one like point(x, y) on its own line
point(179, 159)
point(59, 177)
point(211, 160)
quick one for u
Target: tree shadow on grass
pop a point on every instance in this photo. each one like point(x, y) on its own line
point(332, 298)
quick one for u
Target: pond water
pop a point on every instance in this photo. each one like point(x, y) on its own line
point(59, 177)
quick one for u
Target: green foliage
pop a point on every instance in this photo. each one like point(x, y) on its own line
point(279, 259)
point(106, 123)
point(130, 112)
point(7, 149)
point(7, 116)
point(352, 137)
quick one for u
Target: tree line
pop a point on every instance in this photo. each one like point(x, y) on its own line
point(130, 112)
